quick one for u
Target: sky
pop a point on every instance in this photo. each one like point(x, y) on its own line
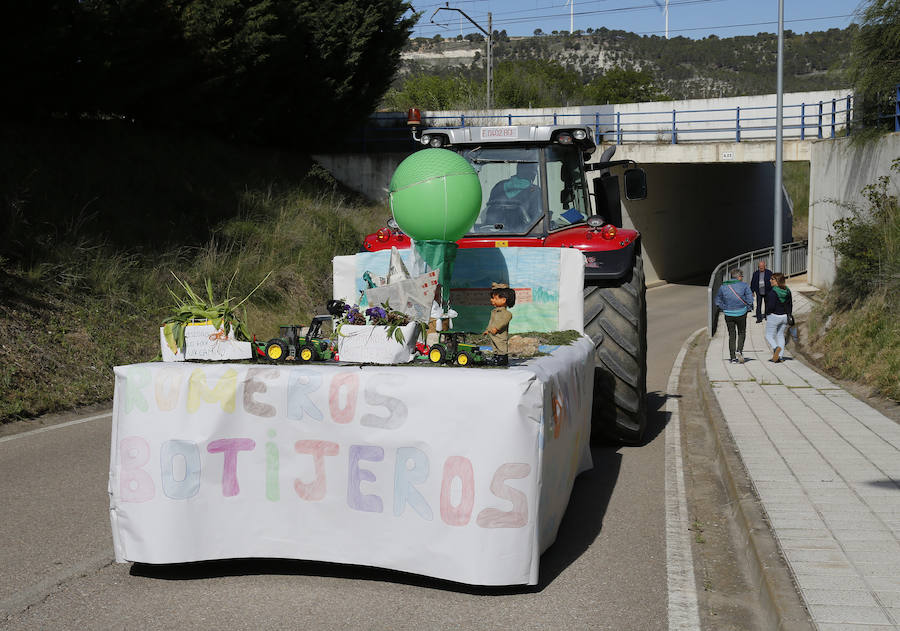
point(695, 19)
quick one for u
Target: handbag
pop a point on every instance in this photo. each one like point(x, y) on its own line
point(790, 320)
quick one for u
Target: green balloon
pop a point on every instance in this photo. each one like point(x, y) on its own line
point(435, 195)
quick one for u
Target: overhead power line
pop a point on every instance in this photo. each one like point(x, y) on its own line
point(625, 9)
point(698, 28)
point(704, 28)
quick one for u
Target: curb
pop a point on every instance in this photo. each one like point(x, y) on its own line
point(780, 600)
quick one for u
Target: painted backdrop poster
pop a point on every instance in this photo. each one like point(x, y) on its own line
point(548, 283)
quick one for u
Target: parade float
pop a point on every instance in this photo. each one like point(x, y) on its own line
point(417, 466)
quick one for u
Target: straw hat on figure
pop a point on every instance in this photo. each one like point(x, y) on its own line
point(502, 299)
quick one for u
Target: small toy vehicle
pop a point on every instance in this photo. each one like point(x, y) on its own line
point(292, 346)
point(451, 348)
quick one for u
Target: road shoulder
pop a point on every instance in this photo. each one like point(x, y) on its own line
point(742, 579)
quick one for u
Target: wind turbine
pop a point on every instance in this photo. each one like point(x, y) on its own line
point(571, 5)
point(666, 9)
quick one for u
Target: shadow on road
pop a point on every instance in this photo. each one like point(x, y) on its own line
point(584, 515)
point(657, 416)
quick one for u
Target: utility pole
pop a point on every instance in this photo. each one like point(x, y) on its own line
point(489, 62)
point(779, 154)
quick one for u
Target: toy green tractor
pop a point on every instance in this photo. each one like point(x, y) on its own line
point(451, 349)
point(291, 345)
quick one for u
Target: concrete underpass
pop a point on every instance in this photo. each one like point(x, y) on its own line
point(698, 215)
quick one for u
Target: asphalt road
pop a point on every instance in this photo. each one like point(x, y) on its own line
point(607, 569)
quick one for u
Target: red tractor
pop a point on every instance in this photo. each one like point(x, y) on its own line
point(537, 195)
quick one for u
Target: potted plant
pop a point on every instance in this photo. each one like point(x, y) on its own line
point(378, 335)
point(201, 327)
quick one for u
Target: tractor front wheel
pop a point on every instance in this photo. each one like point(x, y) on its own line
point(463, 359)
point(308, 353)
point(615, 315)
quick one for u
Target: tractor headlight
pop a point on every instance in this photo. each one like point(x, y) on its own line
point(579, 134)
point(594, 222)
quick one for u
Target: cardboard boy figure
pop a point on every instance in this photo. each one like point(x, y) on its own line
point(502, 297)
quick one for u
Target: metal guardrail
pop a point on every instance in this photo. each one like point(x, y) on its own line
point(388, 131)
point(822, 119)
point(793, 262)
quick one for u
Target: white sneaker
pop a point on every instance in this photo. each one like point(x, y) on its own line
point(740, 357)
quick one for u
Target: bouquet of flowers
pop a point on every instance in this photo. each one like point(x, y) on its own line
point(376, 316)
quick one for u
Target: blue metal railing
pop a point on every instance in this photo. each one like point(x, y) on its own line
point(793, 262)
point(822, 119)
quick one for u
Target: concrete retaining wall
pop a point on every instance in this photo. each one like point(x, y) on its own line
point(366, 173)
point(839, 170)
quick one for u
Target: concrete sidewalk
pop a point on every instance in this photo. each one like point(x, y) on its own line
point(826, 468)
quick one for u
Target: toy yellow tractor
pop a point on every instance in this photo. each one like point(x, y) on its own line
point(451, 349)
point(291, 345)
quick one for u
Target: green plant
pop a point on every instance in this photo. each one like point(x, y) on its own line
point(222, 314)
point(875, 66)
point(377, 316)
point(867, 243)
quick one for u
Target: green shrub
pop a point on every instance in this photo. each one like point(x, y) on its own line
point(867, 243)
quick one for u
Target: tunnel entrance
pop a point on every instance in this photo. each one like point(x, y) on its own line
point(698, 215)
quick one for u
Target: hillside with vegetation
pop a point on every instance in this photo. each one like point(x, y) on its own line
point(97, 220)
point(596, 66)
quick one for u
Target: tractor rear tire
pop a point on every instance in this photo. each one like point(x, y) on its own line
point(615, 315)
point(276, 350)
point(437, 354)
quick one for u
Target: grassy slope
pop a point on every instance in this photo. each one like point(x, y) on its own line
point(861, 344)
point(98, 217)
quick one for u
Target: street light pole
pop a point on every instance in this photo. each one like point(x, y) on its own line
point(489, 62)
point(779, 141)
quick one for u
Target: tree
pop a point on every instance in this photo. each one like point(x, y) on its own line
point(534, 83)
point(623, 86)
point(287, 71)
point(875, 64)
point(432, 92)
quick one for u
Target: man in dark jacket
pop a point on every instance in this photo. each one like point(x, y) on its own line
point(761, 284)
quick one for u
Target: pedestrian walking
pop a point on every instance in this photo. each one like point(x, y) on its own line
point(735, 300)
point(761, 284)
point(779, 309)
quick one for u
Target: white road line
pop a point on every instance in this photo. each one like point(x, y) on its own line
point(59, 426)
point(683, 612)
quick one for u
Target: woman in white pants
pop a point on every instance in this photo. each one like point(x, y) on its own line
point(778, 307)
